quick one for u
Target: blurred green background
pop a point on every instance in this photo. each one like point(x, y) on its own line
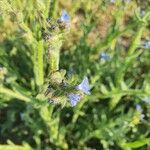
point(115, 115)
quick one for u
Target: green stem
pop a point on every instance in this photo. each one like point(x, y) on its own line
point(14, 94)
point(137, 92)
point(136, 40)
point(52, 8)
point(54, 60)
point(107, 42)
point(12, 146)
point(54, 53)
point(40, 75)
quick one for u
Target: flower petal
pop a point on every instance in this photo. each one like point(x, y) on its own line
point(84, 86)
point(65, 17)
point(74, 99)
point(104, 56)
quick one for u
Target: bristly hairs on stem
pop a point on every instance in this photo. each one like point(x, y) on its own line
point(52, 8)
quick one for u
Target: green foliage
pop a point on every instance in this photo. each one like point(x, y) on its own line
point(105, 119)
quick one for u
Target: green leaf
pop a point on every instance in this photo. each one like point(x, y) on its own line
point(14, 147)
point(137, 144)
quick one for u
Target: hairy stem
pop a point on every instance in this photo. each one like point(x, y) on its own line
point(52, 8)
point(14, 94)
point(40, 75)
point(54, 53)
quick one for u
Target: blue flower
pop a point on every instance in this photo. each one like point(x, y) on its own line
point(147, 44)
point(71, 72)
point(84, 86)
point(142, 13)
point(104, 56)
point(138, 107)
point(146, 99)
point(65, 18)
point(22, 116)
point(112, 1)
point(142, 116)
point(126, 1)
point(74, 99)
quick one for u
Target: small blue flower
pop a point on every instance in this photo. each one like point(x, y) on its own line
point(142, 13)
point(147, 44)
point(126, 1)
point(138, 107)
point(112, 1)
point(142, 116)
point(84, 86)
point(146, 99)
point(65, 18)
point(71, 72)
point(74, 99)
point(22, 116)
point(104, 56)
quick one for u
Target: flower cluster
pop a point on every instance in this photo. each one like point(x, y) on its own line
point(57, 92)
point(60, 89)
point(53, 33)
point(83, 87)
point(53, 28)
